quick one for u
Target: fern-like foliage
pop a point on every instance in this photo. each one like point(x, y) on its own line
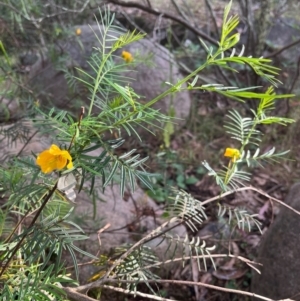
point(245, 131)
point(33, 283)
point(239, 217)
point(260, 66)
point(58, 234)
point(255, 159)
point(106, 164)
point(111, 167)
point(191, 247)
point(218, 178)
point(234, 178)
point(266, 105)
point(241, 129)
point(195, 246)
point(135, 267)
point(107, 73)
point(188, 209)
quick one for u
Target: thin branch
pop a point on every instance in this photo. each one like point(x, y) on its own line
point(243, 259)
point(180, 11)
point(126, 291)
point(275, 53)
point(222, 289)
point(123, 13)
point(74, 295)
point(246, 9)
point(295, 77)
point(176, 38)
point(188, 9)
point(103, 280)
point(78, 126)
point(212, 13)
point(155, 233)
point(156, 30)
point(149, 3)
point(168, 16)
point(224, 76)
point(31, 19)
point(26, 143)
point(181, 282)
point(217, 198)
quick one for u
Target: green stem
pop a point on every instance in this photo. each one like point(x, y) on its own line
point(98, 80)
point(229, 171)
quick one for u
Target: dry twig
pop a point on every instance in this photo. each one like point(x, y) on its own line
point(168, 16)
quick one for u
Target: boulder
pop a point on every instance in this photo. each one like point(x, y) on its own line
point(154, 66)
point(283, 32)
point(279, 254)
point(123, 220)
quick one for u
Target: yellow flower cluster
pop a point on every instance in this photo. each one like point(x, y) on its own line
point(54, 158)
point(127, 56)
point(232, 153)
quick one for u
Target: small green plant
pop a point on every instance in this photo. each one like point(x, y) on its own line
point(39, 190)
point(171, 172)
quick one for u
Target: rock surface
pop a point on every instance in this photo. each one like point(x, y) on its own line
point(283, 32)
point(127, 219)
point(279, 254)
point(148, 80)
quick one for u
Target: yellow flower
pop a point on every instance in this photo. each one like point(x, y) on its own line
point(127, 56)
point(78, 31)
point(54, 158)
point(232, 153)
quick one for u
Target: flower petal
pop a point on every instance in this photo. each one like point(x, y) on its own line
point(54, 158)
point(66, 155)
point(232, 153)
point(61, 162)
point(70, 165)
point(46, 161)
point(54, 150)
point(127, 56)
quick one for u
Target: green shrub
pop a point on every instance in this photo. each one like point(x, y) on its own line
point(38, 190)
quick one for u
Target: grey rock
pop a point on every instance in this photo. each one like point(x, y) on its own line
point(284, 31)
point(279, 254)
point(127, 219)
point(147, 80)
